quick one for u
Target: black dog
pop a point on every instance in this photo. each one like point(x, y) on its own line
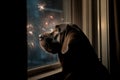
point(76, 54)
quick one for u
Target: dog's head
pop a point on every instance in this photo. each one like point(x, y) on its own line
point(59, 39)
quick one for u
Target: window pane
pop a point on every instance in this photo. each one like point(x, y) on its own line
point(42, 15)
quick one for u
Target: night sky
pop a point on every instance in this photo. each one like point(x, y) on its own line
point(40, 19)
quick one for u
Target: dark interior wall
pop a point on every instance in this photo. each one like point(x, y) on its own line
point(114, 18)
point(117, 29)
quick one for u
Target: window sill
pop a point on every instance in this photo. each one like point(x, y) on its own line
point(44, 71)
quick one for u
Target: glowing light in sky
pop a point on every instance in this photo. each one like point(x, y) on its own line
point(43, 29)
point(51, 17)
point(29, 26)
point(31, 44)
point(30, 32)
point(46, 23)
point(41, 7)
point(30, 29)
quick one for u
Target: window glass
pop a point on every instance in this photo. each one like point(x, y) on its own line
point(42, 15)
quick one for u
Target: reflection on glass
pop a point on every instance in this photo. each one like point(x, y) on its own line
point(42, 16)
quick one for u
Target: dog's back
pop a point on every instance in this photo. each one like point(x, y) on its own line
point(81, 61)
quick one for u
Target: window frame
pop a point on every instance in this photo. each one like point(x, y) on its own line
point(44, 71)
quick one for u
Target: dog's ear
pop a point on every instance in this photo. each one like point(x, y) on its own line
point(67, 39)
point(61, 27)
point(65, 29)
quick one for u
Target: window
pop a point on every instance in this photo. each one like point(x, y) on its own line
point(42, 15)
